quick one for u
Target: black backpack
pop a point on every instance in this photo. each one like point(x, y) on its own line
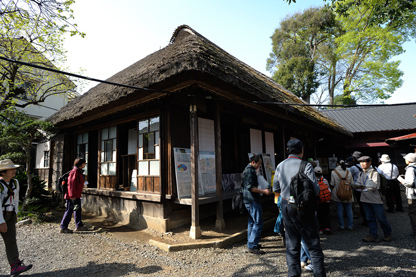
point(63, 183)
point(237, 202)
point(303, 198)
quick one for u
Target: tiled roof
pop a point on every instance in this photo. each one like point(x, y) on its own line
point(376, 119)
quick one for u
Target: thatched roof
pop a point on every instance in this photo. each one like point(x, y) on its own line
point(188, 53)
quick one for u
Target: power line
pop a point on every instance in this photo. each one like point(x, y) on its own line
point(80, 76)
point(162, 91)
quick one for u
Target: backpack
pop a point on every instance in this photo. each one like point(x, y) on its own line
point(384, 182)
point(237, 202)
point(10, 190)
point(63, 183)
point(303, 199)
point(344, 192)
point(324, 195)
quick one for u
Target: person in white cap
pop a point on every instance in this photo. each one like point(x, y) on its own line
point(9, 198)
point(409, 181)
point(391, 172)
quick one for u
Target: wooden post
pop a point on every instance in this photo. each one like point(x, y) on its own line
point(195, 231)
point(219, 223)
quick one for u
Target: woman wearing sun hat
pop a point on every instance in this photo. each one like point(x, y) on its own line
point(9, 198)
point(409, 181)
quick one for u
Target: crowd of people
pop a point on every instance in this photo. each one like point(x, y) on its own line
point(356, 184)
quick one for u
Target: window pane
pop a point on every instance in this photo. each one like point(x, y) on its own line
point(154, 124)
point(86, 157)
point(143, 126)
point(140, 153)
point(102, 145)
point(114, 144)
point(104, 134)
point(144, 168)
point(154, 168)
point(102, 156)
point(86, 169)
point(113, 158)
point(157, 138)
point(113, 132)
point(86, 147)
point(108, 148)
point(140, 141)
point(79, 139)
point(149, 146)
point(104, 169)
point(112, 169)
point(78, 150)
point(157, 152)
point(85, 137)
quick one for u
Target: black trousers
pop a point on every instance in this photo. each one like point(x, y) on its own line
point(393, 195)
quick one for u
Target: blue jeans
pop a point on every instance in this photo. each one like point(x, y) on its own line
point(373, 212)
point(340, 211)
point(255, 224)
point(304, 253)
point(69, 211)
point(296, 229)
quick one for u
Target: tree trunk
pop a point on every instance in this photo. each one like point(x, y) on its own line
point(29, 175)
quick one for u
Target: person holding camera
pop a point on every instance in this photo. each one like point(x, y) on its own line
point(409, 181)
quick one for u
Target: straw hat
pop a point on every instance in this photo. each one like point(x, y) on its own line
point(385, 158)
point(7, 164)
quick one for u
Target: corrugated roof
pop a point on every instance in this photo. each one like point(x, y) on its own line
point(376, 119)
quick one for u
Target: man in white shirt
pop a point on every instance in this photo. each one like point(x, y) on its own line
point(393, 194)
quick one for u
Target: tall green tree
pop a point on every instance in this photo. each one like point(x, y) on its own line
point(18, 131)
point(354, 56)
point(296, 49)
point(32, 32)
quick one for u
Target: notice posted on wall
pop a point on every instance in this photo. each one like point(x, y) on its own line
point(206, 171)
point(183, 173)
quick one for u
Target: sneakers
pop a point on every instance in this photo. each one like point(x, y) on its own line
point(81, 228)
point(66, 231)
point(387, 238)
point(256, 251)
point(350, 229)
point(259, 246)
point(18, 267)
point(370, 238)
point(309, 267)
point(303, 264)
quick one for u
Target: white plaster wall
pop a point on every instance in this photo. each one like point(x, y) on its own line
point(40, 148)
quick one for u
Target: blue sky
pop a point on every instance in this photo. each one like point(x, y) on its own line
point(119, 33)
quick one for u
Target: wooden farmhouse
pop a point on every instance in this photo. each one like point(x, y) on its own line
point(168, 147)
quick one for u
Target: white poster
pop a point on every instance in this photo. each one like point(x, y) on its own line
point(206, 171)
point(268, 167)
point(183, 173)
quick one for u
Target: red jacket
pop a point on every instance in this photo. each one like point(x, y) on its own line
point(75, 183)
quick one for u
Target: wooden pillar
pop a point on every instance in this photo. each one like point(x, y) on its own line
point(219, 223)
point(195, 231)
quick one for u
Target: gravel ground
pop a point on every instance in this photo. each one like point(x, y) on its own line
point(112, 254)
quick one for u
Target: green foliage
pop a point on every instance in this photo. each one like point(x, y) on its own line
point(39, 193)
point(34, 34)
point(18, 131)
point(295, 51)
point(354, 56)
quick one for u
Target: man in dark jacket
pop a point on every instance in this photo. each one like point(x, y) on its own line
point(252, 201)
